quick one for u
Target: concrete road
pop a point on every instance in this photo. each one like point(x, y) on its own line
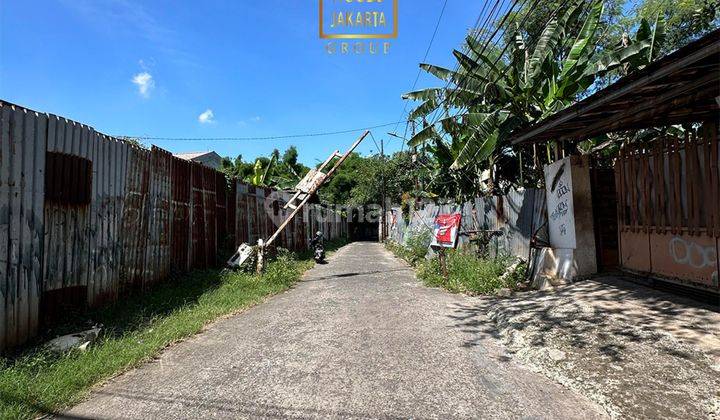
point(360, 337)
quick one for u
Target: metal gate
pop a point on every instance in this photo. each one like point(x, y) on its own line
point(669, 208)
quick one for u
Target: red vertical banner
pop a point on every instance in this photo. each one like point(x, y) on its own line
point(445, 231)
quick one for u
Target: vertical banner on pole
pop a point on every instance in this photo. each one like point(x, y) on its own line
point(445, 231)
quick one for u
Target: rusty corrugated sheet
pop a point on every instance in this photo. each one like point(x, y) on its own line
point(117, 217)
point(66, 238)
point(158, 256)
point(668, 202)
point(253, 225)
point(204, 235)
point(231, 212)
point(134, 220)
point(22, 154)
point(181, 214)
point(221, 195)
point(242, 218)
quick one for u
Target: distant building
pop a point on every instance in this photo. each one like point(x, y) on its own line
point(209, 158)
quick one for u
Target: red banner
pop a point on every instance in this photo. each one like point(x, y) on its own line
point(446, 230)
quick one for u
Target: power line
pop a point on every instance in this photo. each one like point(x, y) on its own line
point(427, 52)
point(477, 32)
point(465, 75)
point(288, 136)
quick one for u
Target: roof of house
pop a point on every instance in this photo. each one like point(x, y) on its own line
point(195, 155)
point(683, 86)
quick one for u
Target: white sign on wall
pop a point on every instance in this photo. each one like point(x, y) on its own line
point(561, 212)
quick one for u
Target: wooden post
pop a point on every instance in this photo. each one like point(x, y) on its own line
point(443, 263)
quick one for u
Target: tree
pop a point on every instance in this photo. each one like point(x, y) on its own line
point(534, 75)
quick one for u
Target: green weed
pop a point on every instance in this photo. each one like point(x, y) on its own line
point(135, 331)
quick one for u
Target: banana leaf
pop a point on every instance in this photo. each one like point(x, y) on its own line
point(423, 135)
point(439, 72)
point(658, 37)
point(481, 145)
point(424, 109)
point(570, 71)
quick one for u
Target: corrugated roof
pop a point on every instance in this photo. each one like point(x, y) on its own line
point(193, 155)
point(680, 87)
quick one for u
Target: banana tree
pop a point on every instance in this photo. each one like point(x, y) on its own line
point(260, 174)
point(495, 92)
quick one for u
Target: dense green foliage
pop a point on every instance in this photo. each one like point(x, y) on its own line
point(548, 57)
point(275, 171)
point(360, 180)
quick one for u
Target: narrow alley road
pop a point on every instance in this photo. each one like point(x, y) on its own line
point(359, 337)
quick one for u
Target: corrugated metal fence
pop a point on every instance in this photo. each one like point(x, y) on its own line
point(669, 208)
point(516, 216)
point(86, 218)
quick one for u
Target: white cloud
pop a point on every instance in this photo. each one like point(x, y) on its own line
point(145, 83)
point(243, 123)
point(207, 117)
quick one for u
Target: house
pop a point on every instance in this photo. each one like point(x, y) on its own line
point(209, 158)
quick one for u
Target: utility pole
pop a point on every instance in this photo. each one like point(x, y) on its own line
point(415, 158)
point(383, 230)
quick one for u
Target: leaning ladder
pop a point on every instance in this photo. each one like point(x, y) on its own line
point(305, 189)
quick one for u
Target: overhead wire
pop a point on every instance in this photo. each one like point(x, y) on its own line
point(474, 32)
point(280, 137)
point(427, 52)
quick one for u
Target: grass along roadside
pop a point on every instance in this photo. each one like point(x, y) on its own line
point(135, 331)
point(466, 272)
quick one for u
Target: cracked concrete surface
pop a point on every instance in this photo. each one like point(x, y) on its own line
point(359, 337)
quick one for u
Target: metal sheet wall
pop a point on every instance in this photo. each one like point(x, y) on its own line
point(22, 154)
point(669, 208)
point(158, 250)
point(117, 218)
point(259, 211)
point(517, 215)
point(181, 214)
point(134, 221)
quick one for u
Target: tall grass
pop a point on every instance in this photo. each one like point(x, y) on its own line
point(135, 331)
point(466, 273)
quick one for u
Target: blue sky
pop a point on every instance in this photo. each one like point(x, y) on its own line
point(147, 68)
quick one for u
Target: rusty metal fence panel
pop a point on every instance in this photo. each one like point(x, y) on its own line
point(517, 216)
point(66, 219)
point(669, 208)
point(86, 219)
point(242, 219)
point(134, 220)
point(181, 214)
point(22, 153)
point(159, 217)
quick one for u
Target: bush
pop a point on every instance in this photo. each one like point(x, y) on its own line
point(469, 274)
point(418, 242)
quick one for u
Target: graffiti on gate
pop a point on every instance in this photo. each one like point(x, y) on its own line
point(696, 256)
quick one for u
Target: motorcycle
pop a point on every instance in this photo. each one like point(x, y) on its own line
point(319, 254)
point(318, 248)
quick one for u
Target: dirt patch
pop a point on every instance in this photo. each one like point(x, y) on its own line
point(637, 352)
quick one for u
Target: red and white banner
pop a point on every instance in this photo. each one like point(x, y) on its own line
point(446, 229)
